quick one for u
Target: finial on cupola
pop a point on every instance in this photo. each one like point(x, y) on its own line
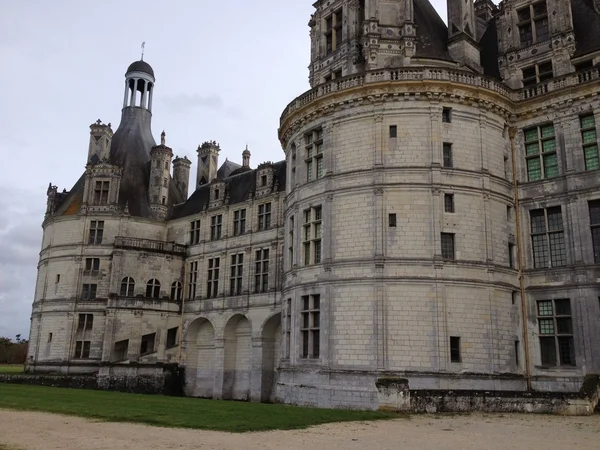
point(163, 138)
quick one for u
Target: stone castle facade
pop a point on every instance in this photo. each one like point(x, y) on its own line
point(436, 218)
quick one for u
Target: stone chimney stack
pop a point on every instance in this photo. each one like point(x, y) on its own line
point(100, 140)
point(462, 38)
point(208, 162)
point(181, 174)
point(246, 158)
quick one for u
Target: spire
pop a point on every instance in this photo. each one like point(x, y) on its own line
point(163, 138)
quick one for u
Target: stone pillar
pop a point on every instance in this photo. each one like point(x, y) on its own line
point(219, 365)
point(258, 371)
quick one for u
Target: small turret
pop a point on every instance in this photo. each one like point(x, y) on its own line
point(208, 162)
point(181, 174)
point(100, 140)
point(246, 158)
point(160, 177)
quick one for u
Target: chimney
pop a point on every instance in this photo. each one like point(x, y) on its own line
point(100, 140)
point(181, 174)
point(462, 43)
point(246, 158)
point(208, 161)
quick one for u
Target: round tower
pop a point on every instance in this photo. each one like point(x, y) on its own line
point(160, 178)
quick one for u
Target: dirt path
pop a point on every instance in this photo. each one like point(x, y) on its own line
point(32, 431)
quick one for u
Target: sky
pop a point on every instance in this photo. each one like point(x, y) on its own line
point(225, 70)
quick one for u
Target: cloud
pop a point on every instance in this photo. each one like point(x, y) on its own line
point(186, 102)
point(20, 241)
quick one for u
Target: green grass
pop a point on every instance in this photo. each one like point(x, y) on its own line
point(173, 411)
point(7, 447)
point(11, 368)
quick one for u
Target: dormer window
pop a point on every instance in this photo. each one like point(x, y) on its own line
point(537, 73)
point(333, 31)
point(533, 24)
point(101, 192)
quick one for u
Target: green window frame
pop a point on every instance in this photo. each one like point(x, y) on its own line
point(541, 152)
point(589, 137)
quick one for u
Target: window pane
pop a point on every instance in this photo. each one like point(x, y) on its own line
point(589, 136)
point(555, 222)
point(548, 130)
point(564, 326)
point(567, 351)
point(563, 307)
point(591, 158)
point(538, 221)
point(545, 308)
point(532, 149)
point(546, 326)
point(534, 169)
point(550, 166)
point(549, 146)
point(558, 252)
point(548, 351)
point(532, 133)
point(540, 251)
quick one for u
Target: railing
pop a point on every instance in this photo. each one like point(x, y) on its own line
point(440, 74)
point(150, 245)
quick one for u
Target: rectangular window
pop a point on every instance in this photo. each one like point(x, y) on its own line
point(291, 241)
point(264, 217)
point(448, 246)
point(455, 355)
point(310, 326)
point(449, 203)
point(540, 153)
point(590, 142)
point(82, 349)
point(314, 155)
point(312, 235)
point(393, 131)
point(537, 73)
point(89, 291)
point(193, 279)
point(215, 227)
point(96, 232)
point(517, 355)
point(172, 337)
point(447, 115)
point(86, 322)
point(49, 337)
point(236, 275)
point(120, 351)
point(287, 327)
point(511, 256)
point(533, 24)
point(548, 238)
point(261, 271)
point(594, 207)
point(101, 192)
point(239, 222)
point(147, 344)
point(92, 265)
point(194, 232)
point(556, 332)
point(392, 220)
point(448, 161)
point(212, 290)
point(333, 32)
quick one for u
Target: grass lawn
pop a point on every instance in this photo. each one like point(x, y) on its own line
point(173, 411)
point(11, 368)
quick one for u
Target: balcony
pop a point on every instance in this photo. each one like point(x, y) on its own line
point(440, 74)
point(148, 245)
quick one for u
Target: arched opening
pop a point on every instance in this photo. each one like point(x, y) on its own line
point(127, 287)
point(237, 370)
point(271, 355)
point(199, 344)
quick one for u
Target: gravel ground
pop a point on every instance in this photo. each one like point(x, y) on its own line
point(32, 431)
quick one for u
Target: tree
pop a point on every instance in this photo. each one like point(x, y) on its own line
point(13, 352)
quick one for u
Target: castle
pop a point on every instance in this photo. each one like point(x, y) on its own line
point(436, 218)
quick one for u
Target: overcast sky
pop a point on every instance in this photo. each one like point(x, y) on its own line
point(224, 71)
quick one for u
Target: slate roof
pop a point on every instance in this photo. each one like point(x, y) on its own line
point(432, 32)
point(227, 169)
point(141, 66)
point(586, 24)
point(489, 51)
point(239, 187)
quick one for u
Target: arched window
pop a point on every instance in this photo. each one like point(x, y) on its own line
point(153, 289)
point(176, 291)
point(167, 165)
point(127, 287)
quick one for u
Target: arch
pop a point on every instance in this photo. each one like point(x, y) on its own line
point(153, 288)
point(199, 345)
point(237, 365)
point(127, 287)
point(271, 356)
point(176, 291)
